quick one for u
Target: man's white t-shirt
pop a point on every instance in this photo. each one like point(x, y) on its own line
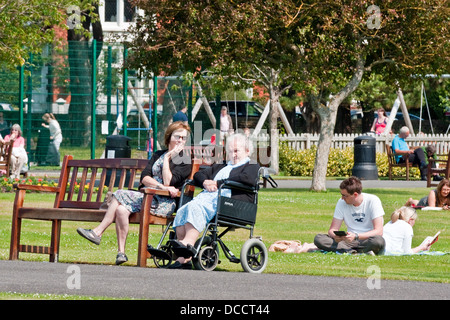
point(398, 237)
point(359, 219)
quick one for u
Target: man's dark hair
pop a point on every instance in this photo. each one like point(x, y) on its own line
point(352, 185)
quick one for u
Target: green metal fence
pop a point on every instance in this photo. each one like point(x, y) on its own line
point(90, 94)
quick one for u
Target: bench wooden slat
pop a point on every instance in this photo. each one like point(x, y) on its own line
point(73, 180)
point(444, 168)
point(68, 214)
point(91, 185)
point(77, 214)
point(34, 249)
point(101, 185)
point(80, 204)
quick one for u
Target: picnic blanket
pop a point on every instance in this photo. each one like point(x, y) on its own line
point(421, 253)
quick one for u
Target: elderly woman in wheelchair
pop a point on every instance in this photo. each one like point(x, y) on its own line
point(236, 180)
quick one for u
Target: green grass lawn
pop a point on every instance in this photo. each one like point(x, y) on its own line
point(283, 214)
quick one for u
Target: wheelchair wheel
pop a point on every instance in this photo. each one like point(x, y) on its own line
point(164, 262)
point(207, 259)
point(254, 256)
point(197, 261)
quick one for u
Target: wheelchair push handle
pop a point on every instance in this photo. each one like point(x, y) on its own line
point(265, 174)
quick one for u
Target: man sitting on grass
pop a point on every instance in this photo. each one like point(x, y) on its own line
point(363, 216)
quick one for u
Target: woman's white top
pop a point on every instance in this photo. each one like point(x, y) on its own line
point(398, 237)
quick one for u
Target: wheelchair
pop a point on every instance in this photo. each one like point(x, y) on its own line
point(231, 214)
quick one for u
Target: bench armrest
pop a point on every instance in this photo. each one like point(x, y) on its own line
point(157, 191)
point(35, 188)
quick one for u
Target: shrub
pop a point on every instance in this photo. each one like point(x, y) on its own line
point(340, 163)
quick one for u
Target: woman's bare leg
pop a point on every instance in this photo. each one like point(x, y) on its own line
point(190, 236)
point(109, 218)
point(122, 226)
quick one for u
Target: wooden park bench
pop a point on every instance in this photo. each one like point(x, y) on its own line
point(443, 167)
point(393, 163)
point(5, 156)
point(6, 148)
point(78, 197)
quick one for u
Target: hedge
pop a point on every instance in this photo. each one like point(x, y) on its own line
point(340, 163)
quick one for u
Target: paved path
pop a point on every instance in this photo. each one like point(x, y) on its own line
point(162, 284)
point(366, 184)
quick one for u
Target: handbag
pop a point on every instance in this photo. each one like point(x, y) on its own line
point(107, 201)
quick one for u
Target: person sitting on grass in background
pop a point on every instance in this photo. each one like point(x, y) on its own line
point(363, 216)
point(398, 232)
point(440, 197)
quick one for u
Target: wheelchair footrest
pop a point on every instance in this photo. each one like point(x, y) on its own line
point(234, 260)
point(158, 253)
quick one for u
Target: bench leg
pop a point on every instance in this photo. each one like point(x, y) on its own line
point(54, 241)
point(142, 245)
point(143, 230)
point(16, 225)
point(15, 239)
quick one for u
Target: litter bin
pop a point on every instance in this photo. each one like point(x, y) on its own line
point(117, 146)
point(364, 166)
point(42, 145)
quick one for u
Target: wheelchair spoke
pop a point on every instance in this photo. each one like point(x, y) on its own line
point(254, 258)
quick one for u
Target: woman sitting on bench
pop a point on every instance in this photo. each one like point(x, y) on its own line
point(166, 170)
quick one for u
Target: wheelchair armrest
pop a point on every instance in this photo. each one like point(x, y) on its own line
point(237, 185)
point(189, 182)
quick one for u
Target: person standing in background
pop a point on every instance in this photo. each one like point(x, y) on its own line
point(56, 137)
point(181, 115)
point(226, 124)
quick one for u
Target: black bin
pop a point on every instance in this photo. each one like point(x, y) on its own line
point(365, 166)
point(42, 145)
point(117, 146)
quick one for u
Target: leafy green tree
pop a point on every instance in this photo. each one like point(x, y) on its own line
point(324, 48)
point(27, 25)
point(342, 41)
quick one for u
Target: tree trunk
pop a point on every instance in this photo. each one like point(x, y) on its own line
point(274, 100)
point(80, 63)
point(328, 120)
